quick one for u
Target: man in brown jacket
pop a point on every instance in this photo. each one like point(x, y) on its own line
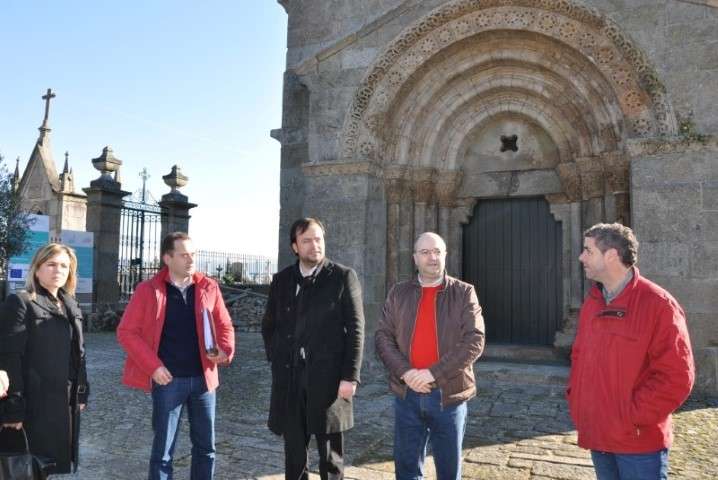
point(430, 334)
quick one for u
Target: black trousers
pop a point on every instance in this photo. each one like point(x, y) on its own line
point(296, 439)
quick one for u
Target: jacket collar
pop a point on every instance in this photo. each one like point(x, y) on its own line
point(444, 282)
point(163, 276)
point(45, 299)
point(622, 297)
point(325, 268)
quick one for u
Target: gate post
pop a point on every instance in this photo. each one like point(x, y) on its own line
point(175, 206)
point(104, 204)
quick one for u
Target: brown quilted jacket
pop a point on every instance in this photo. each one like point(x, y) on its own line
point(460, 332)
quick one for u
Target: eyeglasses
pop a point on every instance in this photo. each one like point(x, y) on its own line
point(425, 252)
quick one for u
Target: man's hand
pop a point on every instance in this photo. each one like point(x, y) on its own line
point(162, 376)
point(418, 380)
point(16, 426)
point(347, 389)
point(82, 406)
point(220, 359)
point(425, 376)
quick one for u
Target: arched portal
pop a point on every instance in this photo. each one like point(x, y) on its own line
point(504, 99)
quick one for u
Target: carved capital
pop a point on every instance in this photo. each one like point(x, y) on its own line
point(570, 180)
point(397, 189)
point(448, 182)
point(591, 172)
point(616, 167)
point(423, 183)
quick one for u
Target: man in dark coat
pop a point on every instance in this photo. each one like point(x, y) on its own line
point(313, 332)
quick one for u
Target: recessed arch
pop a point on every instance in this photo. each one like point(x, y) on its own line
point(644, 107)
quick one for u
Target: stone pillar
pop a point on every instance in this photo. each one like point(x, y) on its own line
point(617, 167)
point(104, 208)
point(406, 233)
point(423, 196)
point(175, 207)
point(446, 188)
point(461, 213)
point(394, 185)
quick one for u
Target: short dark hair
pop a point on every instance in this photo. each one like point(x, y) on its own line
point(168, 243)
point(615, 235)
point(301, 225)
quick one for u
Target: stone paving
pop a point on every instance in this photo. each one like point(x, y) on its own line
point(518, 426)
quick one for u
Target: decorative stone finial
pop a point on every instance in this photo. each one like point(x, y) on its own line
point(106, 163)
point(175, 179)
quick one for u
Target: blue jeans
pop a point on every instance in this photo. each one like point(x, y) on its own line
point(168, 401)
point(633, 466)
point(420, 418)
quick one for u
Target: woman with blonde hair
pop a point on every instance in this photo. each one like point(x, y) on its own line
point(42, 350)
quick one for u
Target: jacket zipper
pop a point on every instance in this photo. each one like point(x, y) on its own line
point(436, 325)
point(413, 329)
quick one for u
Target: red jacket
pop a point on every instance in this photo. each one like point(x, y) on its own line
point(631, 367)
point(140, 330)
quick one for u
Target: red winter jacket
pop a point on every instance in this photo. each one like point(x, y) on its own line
point(140, 330)
point(632, 366)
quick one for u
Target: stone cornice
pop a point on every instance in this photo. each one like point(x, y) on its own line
point(657, 146)
point(341, 168)
point(707, 3)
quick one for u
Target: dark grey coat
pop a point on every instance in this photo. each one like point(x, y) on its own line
point(334, 342)
point(42, 349)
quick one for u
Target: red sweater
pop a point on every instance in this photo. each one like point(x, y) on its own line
point(424, 344)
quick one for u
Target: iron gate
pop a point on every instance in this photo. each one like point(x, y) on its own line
point(140, 231)
point(512, 254)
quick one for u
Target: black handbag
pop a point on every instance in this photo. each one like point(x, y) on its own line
point(23, 465)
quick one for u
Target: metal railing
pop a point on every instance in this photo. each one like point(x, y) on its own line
point(254, 269)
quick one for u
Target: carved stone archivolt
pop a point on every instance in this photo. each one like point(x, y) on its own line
point(591, 36)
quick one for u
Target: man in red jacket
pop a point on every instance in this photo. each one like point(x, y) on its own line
point(631, 363)
point(173, 351)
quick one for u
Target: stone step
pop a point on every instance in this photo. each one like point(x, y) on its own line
point(490, 372)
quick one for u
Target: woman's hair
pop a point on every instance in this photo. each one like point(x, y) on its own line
point(32, 285)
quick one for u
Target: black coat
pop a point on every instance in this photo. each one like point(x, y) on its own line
point(42, 350)
point(333, 339)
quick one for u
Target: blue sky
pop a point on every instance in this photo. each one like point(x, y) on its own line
point(197, 84)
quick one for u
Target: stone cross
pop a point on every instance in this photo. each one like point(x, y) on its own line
point(144, 176)
point(47, 97)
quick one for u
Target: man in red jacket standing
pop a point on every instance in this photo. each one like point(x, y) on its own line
point(631, 363)
point(173, 351)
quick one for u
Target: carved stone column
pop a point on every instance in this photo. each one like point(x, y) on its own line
point(616, 166)
point(395, 185)
point(461, 213)
point(447, 185)
point(423, 180)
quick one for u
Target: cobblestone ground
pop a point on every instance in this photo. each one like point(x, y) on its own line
point(518, 426)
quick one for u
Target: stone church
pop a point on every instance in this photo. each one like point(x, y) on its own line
point(508, 126)
point(43, 191)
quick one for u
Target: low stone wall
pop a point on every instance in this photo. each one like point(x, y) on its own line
point(247, 312)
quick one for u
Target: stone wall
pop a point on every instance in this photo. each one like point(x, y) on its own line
point(656, 70)
point(247, 312)
point(675, 211)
